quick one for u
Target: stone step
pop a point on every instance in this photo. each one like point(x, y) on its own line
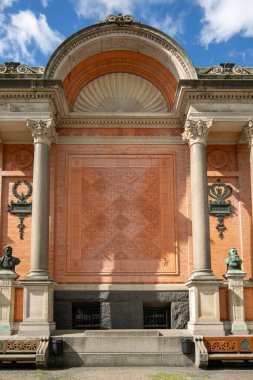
point(140, 359)
point(111, 344)
point(122, 348)
point(119, 333)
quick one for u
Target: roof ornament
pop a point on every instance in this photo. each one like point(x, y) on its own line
point(120, 19)
point(18, 68)
point(227, 69)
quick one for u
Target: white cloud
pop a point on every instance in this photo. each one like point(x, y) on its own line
point(99, 9)
point(45, 3)
point(22, 33)
point(6, 4)
point(225, 18)
point(171, 25)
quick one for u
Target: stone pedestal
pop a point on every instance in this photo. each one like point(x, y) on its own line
point(38, 308)
point(204, 307)
point(7, 293)
point(236, 302)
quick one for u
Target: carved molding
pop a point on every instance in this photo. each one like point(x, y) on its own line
point(17, 68)
point(121, 122)
point(226, 69)
point(247, 134)
point(43, 131)
point(83, 38)
point(196, 131)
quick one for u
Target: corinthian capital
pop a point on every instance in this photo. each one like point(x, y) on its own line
point(247, 133)
point(196, 131)
point(43, 131)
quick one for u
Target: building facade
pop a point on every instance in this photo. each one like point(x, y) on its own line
point(115, 143)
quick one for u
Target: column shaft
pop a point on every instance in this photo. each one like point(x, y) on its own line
point(200, 213)
point(43, 132)
point(195, 134)
point(40, 213)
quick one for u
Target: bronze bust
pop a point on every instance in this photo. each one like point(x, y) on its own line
point(8, 262)
point(233, 261)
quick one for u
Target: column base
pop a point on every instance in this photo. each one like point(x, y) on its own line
point(206, 328)
point(203, 274)
point(239, 328)
point(38, 308)
point(38, 275)
point(36, 328)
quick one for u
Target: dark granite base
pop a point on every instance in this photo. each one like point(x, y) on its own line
point(121, 310)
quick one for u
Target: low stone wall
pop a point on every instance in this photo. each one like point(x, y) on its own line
point(121, 310)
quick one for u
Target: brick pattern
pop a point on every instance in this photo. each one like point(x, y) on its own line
point(238, 233)
point(9, 229)
point(122, 226)
point(224, 311)
point(65, 205)
point(248, 296)
point(18, 305)
point(17, 164)
point(129, 195)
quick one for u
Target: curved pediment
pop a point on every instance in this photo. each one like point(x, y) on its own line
point(119, 93)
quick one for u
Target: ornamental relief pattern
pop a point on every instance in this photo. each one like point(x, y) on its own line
point(221, 157)
point(18, 157)
point(30, 345)
point(228, 344)
point(121, 221)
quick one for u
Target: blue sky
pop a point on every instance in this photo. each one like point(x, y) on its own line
point(210, 31)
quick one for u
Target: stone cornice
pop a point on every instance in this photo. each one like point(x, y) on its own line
point(54, 95)
point(120, 122)
point(187, 95)
point(196, 131)
point(43, 131)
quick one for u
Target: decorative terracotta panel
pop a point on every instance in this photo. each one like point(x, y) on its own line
point(121, 217)
point(229, 344)
point(18, 157)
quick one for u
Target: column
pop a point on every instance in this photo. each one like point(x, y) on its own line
point(43, 132)
point(38, 286)
point(203, 285)
point(195, 135)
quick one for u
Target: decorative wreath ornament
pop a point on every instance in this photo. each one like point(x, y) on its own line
point(22, 197)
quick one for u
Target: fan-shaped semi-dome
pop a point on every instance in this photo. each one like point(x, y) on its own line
point(120, 92)
point(119, 45)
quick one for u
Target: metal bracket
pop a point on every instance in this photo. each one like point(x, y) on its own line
point(21, 208)
point(220, 208)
